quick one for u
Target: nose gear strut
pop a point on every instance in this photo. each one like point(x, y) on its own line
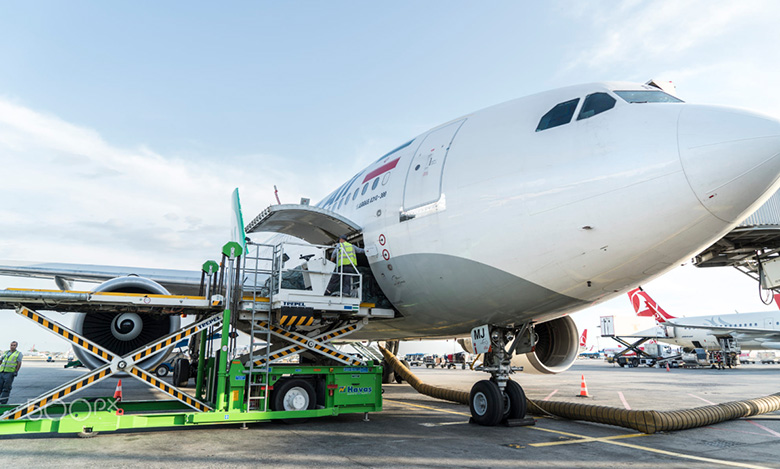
point(500, 400)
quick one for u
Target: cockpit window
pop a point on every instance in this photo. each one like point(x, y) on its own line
point(647, 96)
point(559, 115)
point(596, 103)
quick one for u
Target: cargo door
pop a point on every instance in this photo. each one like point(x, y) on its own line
point(423, 179)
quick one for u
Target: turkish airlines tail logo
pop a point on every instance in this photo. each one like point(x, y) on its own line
point(584, 338)
point(650, 307)
point(777, 300)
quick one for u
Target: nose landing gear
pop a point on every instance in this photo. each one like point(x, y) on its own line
point(499, 399)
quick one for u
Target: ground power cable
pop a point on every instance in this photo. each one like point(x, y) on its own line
point(645, 421)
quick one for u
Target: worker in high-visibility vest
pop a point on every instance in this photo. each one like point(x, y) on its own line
point(10, 363)
point(345, 257)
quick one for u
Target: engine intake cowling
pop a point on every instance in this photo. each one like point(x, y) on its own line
point(122, 333)
point(556, 347)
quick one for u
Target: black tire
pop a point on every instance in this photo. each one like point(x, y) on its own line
point(486, 403)
point(161, 371)
point(398, 378)
point(181, 372)
point(515, 404)
point(293, 394)
point(388, 375)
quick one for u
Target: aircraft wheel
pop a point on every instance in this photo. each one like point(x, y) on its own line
point(388, 375)
point(398, 378)
point(486, 403)
point(161, 371)
point(515, 404)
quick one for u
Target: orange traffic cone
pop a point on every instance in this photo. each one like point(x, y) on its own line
point(583, 388)
point(667, 366)
point(118, 397)
point(118, 391)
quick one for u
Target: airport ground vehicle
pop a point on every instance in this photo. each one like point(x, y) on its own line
point(431, 360)
point(767, 358)
point(414, 359)
point(228, 388)
point(456, 360)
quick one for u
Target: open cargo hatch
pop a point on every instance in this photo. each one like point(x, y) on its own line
point(311, 224)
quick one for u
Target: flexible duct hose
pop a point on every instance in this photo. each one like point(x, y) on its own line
point(645, 421)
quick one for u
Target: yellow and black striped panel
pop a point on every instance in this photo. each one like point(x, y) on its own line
point(172, 340)
point(185, 398)
point(164, 344)
point(63, 331)
point(339, 332)
point(294, 320)
point(336, 354)
point(51, 398)
point(305, 340)
point(280, 354)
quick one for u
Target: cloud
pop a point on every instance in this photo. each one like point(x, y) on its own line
point(641, 31)
point(70, 196)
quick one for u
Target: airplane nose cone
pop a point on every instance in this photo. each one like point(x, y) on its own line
point(730, 157)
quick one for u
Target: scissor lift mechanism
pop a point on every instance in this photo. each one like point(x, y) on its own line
point(225, 397)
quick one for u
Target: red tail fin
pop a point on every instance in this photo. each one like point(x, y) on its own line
point(584, 338)
point(651, 308)
point(777, 301)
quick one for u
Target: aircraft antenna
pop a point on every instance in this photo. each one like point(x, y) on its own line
point(276, 194)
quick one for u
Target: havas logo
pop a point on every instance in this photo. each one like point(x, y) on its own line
point(294, 303)
point(355, 390)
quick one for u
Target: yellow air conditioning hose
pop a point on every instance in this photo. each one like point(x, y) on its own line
point(645, 421)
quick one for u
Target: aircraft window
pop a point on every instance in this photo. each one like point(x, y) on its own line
point(559, 115)
point(647, 96)
point(354, 196)
point(365, 188)
point(596, 103)
point(376, 183)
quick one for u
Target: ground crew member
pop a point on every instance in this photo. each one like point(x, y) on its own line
point(10, 363)
point(345, 257)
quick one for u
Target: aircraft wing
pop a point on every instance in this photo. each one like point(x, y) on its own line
point(176, 281)
point(729, 330)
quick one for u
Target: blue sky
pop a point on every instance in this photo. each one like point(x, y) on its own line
point(124, 126)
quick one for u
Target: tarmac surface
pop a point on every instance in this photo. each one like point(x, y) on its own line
point(417, 431)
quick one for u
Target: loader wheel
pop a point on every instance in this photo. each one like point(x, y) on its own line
point(181, 372)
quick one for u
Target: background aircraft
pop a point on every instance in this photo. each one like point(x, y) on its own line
point(751, 331)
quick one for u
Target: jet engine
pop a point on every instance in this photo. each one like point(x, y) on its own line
point(557, 346)
point(122, 333)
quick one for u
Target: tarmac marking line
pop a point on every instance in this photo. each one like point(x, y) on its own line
point(443, 423)
point(702, 399)
point(426, 407)
point(623, 400)
point(768, 430)
point(658, 451)
point(550, 395)
point(587, 440)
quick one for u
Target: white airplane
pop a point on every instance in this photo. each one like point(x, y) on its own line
point(750, 331)
point(517, 215)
